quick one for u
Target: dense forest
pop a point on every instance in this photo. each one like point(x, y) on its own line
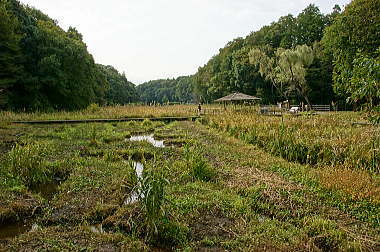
point(311, 57)
point(43, 67)
point(167, 90)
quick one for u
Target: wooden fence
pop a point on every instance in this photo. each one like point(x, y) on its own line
point(321, 107)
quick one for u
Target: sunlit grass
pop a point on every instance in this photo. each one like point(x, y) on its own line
point(127, 111)
point(329, 138)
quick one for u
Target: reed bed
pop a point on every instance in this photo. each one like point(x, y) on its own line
point(96, 112)
point(322, 139)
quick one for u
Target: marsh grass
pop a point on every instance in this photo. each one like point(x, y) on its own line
point(95, 112)
point(251, 200)
point(197, 165)
point(28, 163)
point(152, 195)
point(327, 139)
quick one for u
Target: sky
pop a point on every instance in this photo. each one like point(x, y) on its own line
point(155, 39)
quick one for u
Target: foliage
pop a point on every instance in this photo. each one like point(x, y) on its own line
point(364, 84)
point(47, 68)
point(198, 167)
point(10, 52)
point(286, 70)
point(169, 90)
point(374, 116)
point(121, 91)
point(152, 195)
point(230, 70)
point(352, 40)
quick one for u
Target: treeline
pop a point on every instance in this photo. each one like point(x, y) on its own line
point(167, 90)
point(43, 67)
point(313, 57)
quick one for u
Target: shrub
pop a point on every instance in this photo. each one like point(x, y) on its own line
point(93, 108)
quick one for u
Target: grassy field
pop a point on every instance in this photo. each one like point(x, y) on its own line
point(96, 112)
point(235, 181)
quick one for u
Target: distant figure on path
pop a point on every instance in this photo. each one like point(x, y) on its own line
point(199, 109)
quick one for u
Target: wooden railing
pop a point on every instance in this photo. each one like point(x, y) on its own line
point(321, 107)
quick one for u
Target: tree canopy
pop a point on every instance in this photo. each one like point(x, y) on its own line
point(44, 67)
point(167, 90)
point(231, 69)
point(120, 90)
point(310, 57)
point(353, 41)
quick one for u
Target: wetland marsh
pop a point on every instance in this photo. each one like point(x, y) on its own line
point(203, 185)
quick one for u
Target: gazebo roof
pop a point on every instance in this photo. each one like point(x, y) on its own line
point(237, 97)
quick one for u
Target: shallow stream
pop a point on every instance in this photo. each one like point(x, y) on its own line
point(139, 167)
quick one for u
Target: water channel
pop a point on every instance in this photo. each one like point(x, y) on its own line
point(139, 167)
point(48, 190)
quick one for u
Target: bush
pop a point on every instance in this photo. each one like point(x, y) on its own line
point(93, 108)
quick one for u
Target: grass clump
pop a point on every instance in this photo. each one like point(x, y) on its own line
point(325, 234)
point(198, 167)
point(151, 189)
point(28, 163)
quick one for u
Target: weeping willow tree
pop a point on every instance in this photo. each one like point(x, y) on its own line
point(286, 69)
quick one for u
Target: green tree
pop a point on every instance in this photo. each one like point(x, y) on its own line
point(10, 53)
point(120, 90)
point(230, 69)
point(364, 84)
point(57, 70)
point(354, 32)
point(310, 25)
point(286, 69)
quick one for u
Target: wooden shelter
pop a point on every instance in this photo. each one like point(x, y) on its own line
point(237, 98)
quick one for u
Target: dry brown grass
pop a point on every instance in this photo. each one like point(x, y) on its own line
point(94, 112)
point(358, 184)
point(329, 138)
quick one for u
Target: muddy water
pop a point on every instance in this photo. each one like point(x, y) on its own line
point(47, 190)
point(8, 231)
point(150, 139)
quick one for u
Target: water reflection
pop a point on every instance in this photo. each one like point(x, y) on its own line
point(150, 139)
point(139, 168)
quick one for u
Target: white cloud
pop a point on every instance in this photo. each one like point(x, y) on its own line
point(150, 39)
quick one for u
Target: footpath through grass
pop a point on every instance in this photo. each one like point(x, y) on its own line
point(203, 191)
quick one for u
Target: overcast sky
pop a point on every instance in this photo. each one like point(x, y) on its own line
point(153, 39)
